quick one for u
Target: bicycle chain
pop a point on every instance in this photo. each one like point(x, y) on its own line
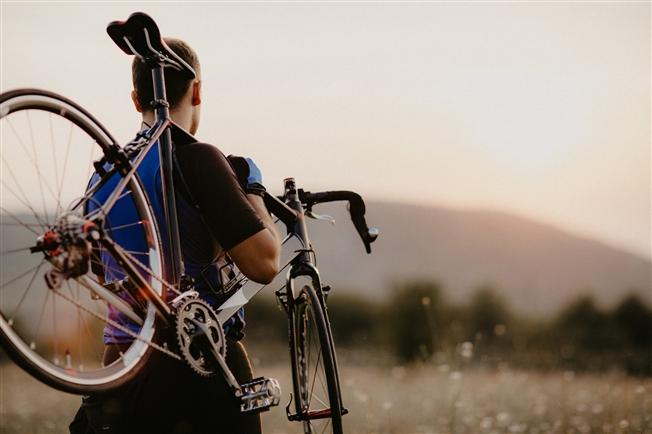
point(118, 326)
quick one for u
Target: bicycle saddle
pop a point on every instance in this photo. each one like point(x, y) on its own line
point(140, 36)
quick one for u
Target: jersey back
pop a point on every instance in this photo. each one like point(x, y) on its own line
point(200, 251)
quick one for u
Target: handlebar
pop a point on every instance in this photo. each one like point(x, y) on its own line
point(357, 210)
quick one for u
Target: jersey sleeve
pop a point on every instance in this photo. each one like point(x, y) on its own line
point(214, 186)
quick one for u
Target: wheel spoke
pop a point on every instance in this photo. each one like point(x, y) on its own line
point(80, 317)
point(151, 274)
point(102, 209)
point(34, 225)
point(54, 328)
point(135, 252)
point(312, 387)
point(20, 276)
point(8, 252)
point(65, 163)
point(29, 286)
point(40, 318)
point(308, 332)
point(18, 221)
point(38, 169)
point(128, 225)
point(90, 162)
point(13, 193)
point(38, 172)
point(320, 401)
point(20, 188)
point(54, 151)
point(328, 422)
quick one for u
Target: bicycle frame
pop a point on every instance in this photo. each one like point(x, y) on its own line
point(300, 265)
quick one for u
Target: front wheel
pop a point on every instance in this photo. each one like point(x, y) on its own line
point(314, 369)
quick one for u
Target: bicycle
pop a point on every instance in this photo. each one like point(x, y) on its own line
point(74, 249)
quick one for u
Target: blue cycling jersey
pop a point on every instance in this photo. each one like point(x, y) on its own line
point(199, 248)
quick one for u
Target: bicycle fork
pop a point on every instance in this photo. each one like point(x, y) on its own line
point(305, 268)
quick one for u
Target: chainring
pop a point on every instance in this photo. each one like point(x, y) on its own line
point(193, 342)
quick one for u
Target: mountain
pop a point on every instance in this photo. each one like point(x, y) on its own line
point(536, 267)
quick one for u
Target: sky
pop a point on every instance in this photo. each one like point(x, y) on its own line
point(541, 109)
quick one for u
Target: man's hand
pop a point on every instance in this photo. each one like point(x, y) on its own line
point(255, 176)
point(248, 173)
point(258, 256)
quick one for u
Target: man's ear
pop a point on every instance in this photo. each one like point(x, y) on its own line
point(136, 101)
point(196, 92)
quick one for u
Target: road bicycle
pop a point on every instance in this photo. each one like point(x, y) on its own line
point(63, 268)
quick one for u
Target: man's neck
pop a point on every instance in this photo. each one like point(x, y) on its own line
point(182, 118)
point(148, 118)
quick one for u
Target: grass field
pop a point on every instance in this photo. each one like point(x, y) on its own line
point(423, 399)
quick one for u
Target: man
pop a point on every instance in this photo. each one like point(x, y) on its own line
point(219, 212)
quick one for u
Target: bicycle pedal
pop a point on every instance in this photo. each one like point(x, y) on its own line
point(259, 394)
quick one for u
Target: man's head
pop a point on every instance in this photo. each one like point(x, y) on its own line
point(184, 96)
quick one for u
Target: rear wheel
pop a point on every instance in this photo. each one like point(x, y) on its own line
point(316, 387)
point(48, 145)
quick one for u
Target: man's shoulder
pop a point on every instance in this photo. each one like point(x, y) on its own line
point(183, 138)
point(187, 146)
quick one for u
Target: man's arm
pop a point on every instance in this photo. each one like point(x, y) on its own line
point(258, 256)
point(238, 221)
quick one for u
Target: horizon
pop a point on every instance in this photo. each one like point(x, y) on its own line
point(537, 220)
point(427, 104)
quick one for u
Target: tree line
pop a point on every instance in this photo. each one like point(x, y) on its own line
point(418, 323)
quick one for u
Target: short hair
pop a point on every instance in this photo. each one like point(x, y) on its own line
point(176, 85)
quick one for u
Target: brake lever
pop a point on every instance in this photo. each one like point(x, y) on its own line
point(323, 217)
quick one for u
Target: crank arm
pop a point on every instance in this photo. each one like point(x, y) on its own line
point(228, 375)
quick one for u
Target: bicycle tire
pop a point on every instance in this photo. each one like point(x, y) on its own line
point(71, 370)
point(309, 329)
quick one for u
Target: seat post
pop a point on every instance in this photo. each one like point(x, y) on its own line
point(162, 112)
point(160, 103)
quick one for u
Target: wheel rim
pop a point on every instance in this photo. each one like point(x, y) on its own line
point(47, 147)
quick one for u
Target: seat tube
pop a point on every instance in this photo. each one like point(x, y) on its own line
point(162, 112)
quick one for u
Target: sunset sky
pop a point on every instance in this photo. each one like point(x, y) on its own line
point(541, 109)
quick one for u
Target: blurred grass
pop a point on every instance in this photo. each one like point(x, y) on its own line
point(421, 398)
point(419, 323)
point(419, 364)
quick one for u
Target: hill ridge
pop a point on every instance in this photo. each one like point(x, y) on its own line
point(538, 266)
